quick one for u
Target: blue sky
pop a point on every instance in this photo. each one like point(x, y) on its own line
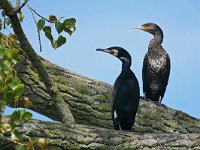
point(102, 24)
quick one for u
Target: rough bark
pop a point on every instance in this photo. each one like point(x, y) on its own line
point(88, 137)
point(90, 101)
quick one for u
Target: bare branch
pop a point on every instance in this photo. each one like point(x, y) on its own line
point(37, 13)
point(18, 9)
point(38, 32)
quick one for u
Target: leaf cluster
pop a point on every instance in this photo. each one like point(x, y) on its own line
point(68, 26)
point(11, 90)
point(5, 21)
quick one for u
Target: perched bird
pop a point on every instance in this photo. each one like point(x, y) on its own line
point(156, 65)
point(125, 97)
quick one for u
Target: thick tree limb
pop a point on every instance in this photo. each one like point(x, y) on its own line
point(62, 107)
point(85, 137)
point(90, 102)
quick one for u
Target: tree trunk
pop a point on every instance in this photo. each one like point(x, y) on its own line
point(89, 137)
point(90, 102)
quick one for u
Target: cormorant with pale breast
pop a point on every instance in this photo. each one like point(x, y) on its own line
point(126, 94)
point(156, 65)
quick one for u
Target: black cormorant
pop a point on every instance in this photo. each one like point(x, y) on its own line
point(156, 65)
point(125, 97)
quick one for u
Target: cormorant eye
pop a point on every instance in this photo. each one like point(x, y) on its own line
point(145, 25)
point(114, 52)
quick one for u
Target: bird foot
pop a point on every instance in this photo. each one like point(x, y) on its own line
point(161, 105)
point(146, 99)
point(156, 103)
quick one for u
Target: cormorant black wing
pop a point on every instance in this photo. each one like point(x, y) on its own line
point(125, 103)
point(155, 75)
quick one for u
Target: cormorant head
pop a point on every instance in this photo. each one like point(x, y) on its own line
point(150, 27)
point(119, 52)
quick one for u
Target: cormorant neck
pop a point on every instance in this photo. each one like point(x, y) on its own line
point(158, 38)
point(126, 66)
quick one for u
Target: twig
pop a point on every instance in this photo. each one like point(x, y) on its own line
point(37, 13)
point(38, 32)
point(17, 9)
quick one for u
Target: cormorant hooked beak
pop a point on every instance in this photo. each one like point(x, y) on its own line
point(113, 52)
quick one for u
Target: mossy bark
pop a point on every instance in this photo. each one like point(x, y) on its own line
point(90, 102)
point(89, 137)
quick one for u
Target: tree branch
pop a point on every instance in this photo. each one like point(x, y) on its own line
point(85, 137)
point(38, 32)
point(61, 106)
point(90, 101)
point(31, 9)
point(18, 9)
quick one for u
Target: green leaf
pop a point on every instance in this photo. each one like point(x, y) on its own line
point(19, 89)
point(5, 127)
point(8, 96)
point(7, 21)
point(2, 105)
point(3, 13)
point(70, 22)
point(20, 147)
point(59, 27)
point(20, 115)
point(69, 25)
point(16, 117)
point(16, 136)
point(27, 116)
point(49, 36)
point(12, 54)
point(2, 52)
point(7, 66)
point(13, 82)
point(40, 24)
point(47, 29)
point(59, 42)
point(21, 16)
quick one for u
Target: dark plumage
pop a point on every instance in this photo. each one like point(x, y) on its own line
point(156, 65)
point(125, 97)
